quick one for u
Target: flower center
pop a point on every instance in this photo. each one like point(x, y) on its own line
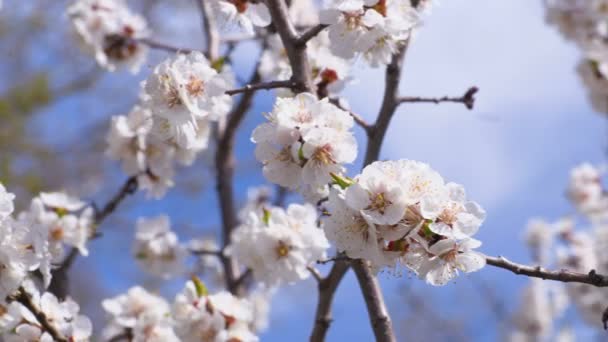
point(323, 156)
point(378, 202)
point(282, 249)
point(195, 86)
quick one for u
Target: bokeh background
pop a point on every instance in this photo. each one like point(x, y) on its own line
point(531, 124)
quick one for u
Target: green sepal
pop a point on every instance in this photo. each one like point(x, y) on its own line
point(342, 181)
point(199, 286)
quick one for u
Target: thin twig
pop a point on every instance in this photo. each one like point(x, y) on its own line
point(358, 119)
point(265, 85)
point(128, 188)
point(468, 99)
point(315, 273)
point(163, 46)
point(296, 53)
point(224, 164)
point(327, 288)
point(212, 36)
point(336, 258)
point(563, 275)
point(26, 300)
point(217, 253)
point(59, 281)
point(310, 34)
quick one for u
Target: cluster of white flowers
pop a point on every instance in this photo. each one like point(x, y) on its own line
point(372, 28)
point(36, 238)
point(402, 212)
point(587, 192)
point(157, 247)
point(111, 32)
point(330, 72)
point(180, 100)
point(305, 141)
point(199, 316)
point(541, 304)
point(245, 13)
point(279, 245)
point(142, 313)
point(561, 245)
point(19, 324)
point(586, 24)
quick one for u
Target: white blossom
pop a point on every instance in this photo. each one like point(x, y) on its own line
point(144, 313)
point(304, 141)
point(247, 14)
point(219, 317)
point(279, 245)
point(156, 247)
point(111, 32)
point(181, 92)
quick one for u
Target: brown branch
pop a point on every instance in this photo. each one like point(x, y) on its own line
point(59, 281)
point(217, 253)
point(358, 119)
point(212, 36)
point(563, 275)
point(327, 288)
point(224, 164)
point(376, 308)
point(315, 273)
point(163, 46)
point(468, 99)
point(310, 34)
point(265, 85)
point(296, 53)
point(26, 300)
point(128, 188)
point(389, 104)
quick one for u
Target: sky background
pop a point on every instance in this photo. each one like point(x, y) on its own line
point(531, 124)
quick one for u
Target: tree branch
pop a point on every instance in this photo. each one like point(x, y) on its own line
point(389, 104)
point(212, 36)
point(327, 288)
point(376, 308)
point(162, 46)
point(224, 164)
point(563, 275)
point(265, 85)
point(59, 282)
point(468, 99)
point(310, 34)
point(295, 53)
point(26, 300)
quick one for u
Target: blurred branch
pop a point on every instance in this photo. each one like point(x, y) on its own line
point(327, 288)
point(563, 275)
point(46, 324)
point(310, 34)
point(468, 99)
point(163, 46)
point(266, 86)
point(224, 163)
point(296, 53)
point(59, 283)
point(212, 36)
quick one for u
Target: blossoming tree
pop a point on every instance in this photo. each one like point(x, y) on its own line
point(392, 215)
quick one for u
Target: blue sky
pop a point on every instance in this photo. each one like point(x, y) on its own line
point(532, 122)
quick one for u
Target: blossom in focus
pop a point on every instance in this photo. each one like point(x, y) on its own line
point(181, 92)
point(304, 141)
point(278, 244)
point(402, 213)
